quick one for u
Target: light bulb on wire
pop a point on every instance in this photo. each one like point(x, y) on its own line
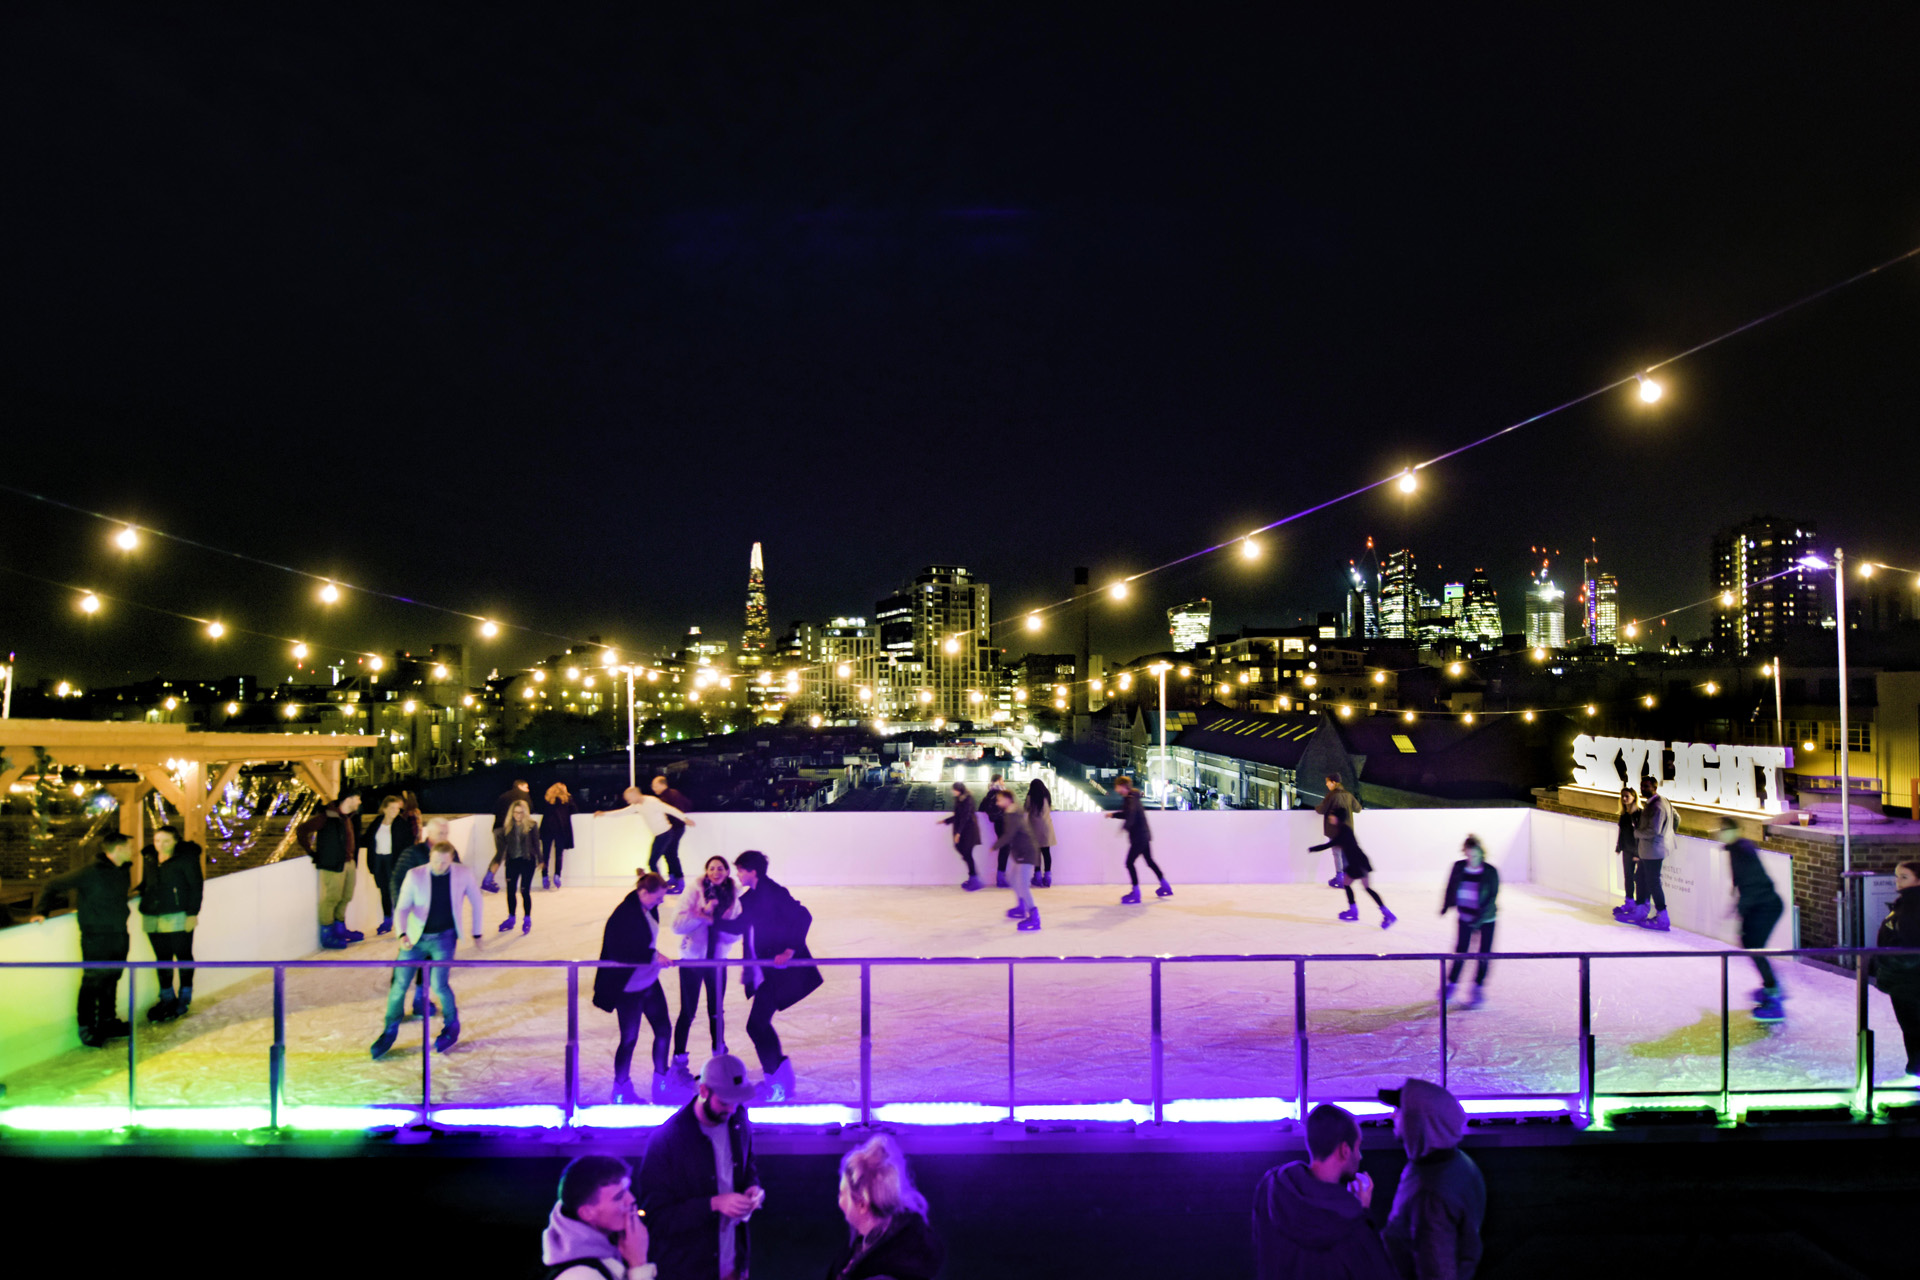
point(127, 539)
point(1118, 590)
point(1650, 390)
point(1407, 483)
point(329, 594)
point(215, 630)
point(1249, 548)
point(299, 650)
point(489, 628)
point(1033, 621)
point(90, 603)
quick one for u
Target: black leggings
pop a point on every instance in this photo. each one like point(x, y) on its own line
point(1460, 947)
point(766, 1041)
point(1370, 894)
point(380, 866)
point(552, 853)
point(1046, 859)
point(173, 946)
point(1627, 876)
point(1756, 926)
point(1649, 883)
point(1906, 1009)
point(691, 980)
point(1135, 852)
point(520, 873)
point(966, 856)
point(634, 1005)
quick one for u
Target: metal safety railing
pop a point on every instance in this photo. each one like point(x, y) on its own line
point(1582, 1104)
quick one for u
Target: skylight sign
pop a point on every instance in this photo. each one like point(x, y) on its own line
point(1729, 776)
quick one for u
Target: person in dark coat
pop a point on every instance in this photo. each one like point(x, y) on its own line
point(1626, 843)
point(966, 832)
point(1133, 816)
point(887, 1233)
point(632, 936)
point(556, 834)
point(698, 1182)
point(100, 890)
point(1310, 1216)
point(390, 832)
point(170, 893)
point(1899, 976)
point(520, 790)
point(1354, 865)
point(990, 805)
point(1433, 1230)
point(1472, 887)
point(331, 838)
point(1759, 907)
point(775, 926)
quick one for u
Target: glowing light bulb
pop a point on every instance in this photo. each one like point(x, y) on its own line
point(1454, 668)
point(764, 679)
point(1380, 677)
point(215, 630)
point(90, 603)
point(653, 677)
point(539, 677)
point(1059, 691)
point(573, 673)
point(952, 645)
point(609, 658)
point(843, 670)
point(1592, 710)
point(1033, 622)
point(1345, 710)
point(1712, 688)
point(376, 663)
point(63, 690)
point(1249, 548)
point(1632, 630)
point(299, 650)
point(489, 629)
point(1650, 390)
point(408, 706)
point(1019, 695)
point(171, 703)
point(939, 722)
point(127, 539)
point(1407, 716)
point(1466, 717)
point(233, 708)
point(1766, 669)
point(1407, 483)
point(293, 709)
point(1648, 700)
point(866, 694)
point(925, 697)
point(974, 696)
point(1527, 716)
point(1059, 704)
point(1726, 598)
point(1119, 590)
point(329, 593)
point(1096, 685)
point(588, 683)
point(1126, 681)
point(1539, 655)
point(467, 701)
point(440, 671)
point(813, 722)
point(1866, 568)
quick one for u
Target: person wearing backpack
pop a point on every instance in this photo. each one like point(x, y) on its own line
point(595, 1231)
point(775, 925)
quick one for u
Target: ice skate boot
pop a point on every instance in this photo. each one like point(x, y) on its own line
point(165, 1009)
point(526, 925)
point(556, 881)
point(506, 926)
point(1657, 921)
point(546, 883)
point(333, 938)
point(385, 1042)
point(676, 886)
point(1133, 897)
point(778, 1085)
point(1351, 913)
point(1016, 913)
point(623, 1094)
point(1635, 916)
point(186, 1002)
point(1624, 910)
point(386, 927)
point(972, 884)
point(1387, 918)
point(488, 884)
point(1770, 1009)
point(682, 1074)
point(1477, 998)
point(448, 1037)
point(1164, 891)
point(352, 935)
point(1031, 923)
point(1446, 992)
point(999, 879)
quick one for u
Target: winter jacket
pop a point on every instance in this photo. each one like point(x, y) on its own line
point(905, 1248)
point(632, 936)
point(1626, 838)
point(1750, 875)
point(1489, 881)
point(672, 798)
point(966, 831)
point(100, 891)
point(1306, 1229)
point(1133, 816)
point(773, 920)
point(518, 844)
point(1433, 1232)
point(1016, 837)
point(991, 807)
point(172, 887)
point(566, 1239)
point(556, 824)
point(676, 1186)
point(1040, 819)
point(698, 938)
point(415, 900)
point(1899, 975)
point(1656, 829)
point(405, 832)
point(328, 838)
point(414, 855)
point(1342, 800)
point(504, 801)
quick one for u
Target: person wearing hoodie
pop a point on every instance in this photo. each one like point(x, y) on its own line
point(1655, 830)
point(1472, 887)
point(966, 832)
point(595, 1231)
point(1433, 1230)
point(1310, 1216)
point(1899, 976)
point(170, 893)
point(1759, 907)
point(887, 1233)
point(698, 1181)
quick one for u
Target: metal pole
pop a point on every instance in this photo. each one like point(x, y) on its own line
point(1779, 706)
point(1726, 1073)
point(133, 1035)
point(572, 1069)
point(866, 1043)
point(1010, 1040)
point(277, 1055)
point(1300, 1037)
point(426, 1049)
point(1159, 1050)
point(1443, 1024)
point(1163, 735)
point(1863, 1041)
point(633, 768)
point(1846, 786)
point(6, 699)
point(1586, 1039)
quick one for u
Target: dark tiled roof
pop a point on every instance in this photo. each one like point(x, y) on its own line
point(1249, 735)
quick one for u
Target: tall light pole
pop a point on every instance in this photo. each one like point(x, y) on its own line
point(633, 775)
point(1839, 567)
point(1160, 669)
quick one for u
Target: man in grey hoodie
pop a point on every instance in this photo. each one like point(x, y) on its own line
point(1310, 1216)
point(1433, 1231)
point(595, 1231)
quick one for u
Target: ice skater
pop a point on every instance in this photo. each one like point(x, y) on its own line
point(100, 890)
point(1472, 887)
point(1354, 865)
point(966, 832)
point(1016, 838)
point(659, 817)
point(171, 887)
point(1899, 976)
point(517, 845)
point(427, 915)
point(716, 899)
point(775, 925)
point(1337, 806)
point(1040, 821)
point(1626, 843)
point(1759, 907)
point(1655, 830)
point(991, 806)
point(1133, 817)
point(632, 937)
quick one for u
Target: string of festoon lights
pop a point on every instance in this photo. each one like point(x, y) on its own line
point(1647, 389)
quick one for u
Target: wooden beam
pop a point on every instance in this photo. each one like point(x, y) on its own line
point(306, 774)
point(161, 781)
point(226, 774)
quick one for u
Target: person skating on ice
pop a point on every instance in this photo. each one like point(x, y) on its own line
point(1472, 886)
point(1655, 830)
point(1759, 907)
point(1338, 805)
point(659, 817)
point(966, 832)
point(170, 893)
point(1132, 815)
point(426, 915)
point(1016, 838)
point(1040, 821)
point(632, 937)
point(1626, 843)
point(716, 898)
point(775, 925)
point(990, 805)
point(1354, 865)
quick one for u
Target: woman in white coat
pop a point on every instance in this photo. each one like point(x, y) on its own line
point(716, 898)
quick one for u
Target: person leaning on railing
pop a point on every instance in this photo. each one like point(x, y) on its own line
point(1626, 843)
point(330, 838)
point(1899, 976)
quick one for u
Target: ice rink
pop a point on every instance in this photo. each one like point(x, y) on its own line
point(1081, 1031)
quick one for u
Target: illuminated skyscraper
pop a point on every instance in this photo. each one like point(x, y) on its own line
point(1481, 606)
point(758, 637)
point(1773, 598)
point(1191, 624)
point(1399, 600)
point(1546, 612)
point(936, 638)
point(1363, 618)
point(1606, 609)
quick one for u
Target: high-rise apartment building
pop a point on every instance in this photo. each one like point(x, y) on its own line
point(1767, 596)
point(1191, 624)
point(841, 657)
point(1399, 598)
point(936, 633)
point(1606, 609)
point(1481, 605)
point(1546, 611)
point(1363, 613)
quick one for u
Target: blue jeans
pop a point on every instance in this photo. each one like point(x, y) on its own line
point(433, 946)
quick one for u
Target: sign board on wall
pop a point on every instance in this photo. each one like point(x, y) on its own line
point(1731, 776)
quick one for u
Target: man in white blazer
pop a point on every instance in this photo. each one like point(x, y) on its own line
point(427, 916)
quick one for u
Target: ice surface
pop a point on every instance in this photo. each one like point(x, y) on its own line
point(1081, 1032)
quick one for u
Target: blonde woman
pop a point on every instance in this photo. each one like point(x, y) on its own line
point(517, 843)
point(556, 834)
point(886, 1218)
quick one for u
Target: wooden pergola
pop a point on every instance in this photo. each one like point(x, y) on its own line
point(189, 769)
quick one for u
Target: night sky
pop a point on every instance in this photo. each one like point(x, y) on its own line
point(550, 322)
